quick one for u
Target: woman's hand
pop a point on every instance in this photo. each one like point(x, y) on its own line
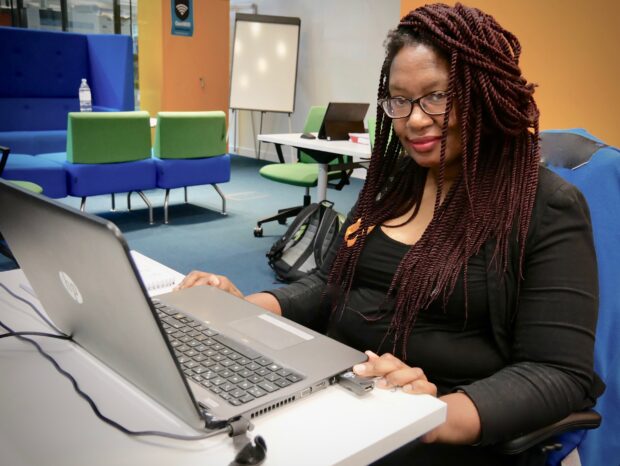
point(462, 424)
point(197, 278)
point(395, 373)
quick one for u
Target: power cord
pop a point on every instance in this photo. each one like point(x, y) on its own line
point(36, 334)
point(34, 308)
point(228, 428)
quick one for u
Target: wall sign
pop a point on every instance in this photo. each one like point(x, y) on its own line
point(182, 17)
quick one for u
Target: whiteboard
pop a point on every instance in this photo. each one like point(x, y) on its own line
point(264, 63)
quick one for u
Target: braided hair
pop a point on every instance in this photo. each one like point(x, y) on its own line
point(494, 195)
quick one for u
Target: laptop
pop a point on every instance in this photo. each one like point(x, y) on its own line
point(341, 119)
point(201, 352)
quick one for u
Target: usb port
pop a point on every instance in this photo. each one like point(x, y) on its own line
point(320, 385)
point(305, 392)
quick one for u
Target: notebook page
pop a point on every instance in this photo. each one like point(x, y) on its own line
point(157, 278)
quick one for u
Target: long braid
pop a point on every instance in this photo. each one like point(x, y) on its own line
point(499, 164)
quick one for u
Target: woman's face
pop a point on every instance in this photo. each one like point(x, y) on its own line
point(418, 70)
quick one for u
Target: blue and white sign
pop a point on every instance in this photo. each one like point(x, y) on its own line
point(182, 17)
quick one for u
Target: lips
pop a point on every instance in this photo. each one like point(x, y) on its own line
point(424, 144)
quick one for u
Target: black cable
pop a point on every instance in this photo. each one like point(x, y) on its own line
point(34, 308)
point(36, 334)
point(84, 395)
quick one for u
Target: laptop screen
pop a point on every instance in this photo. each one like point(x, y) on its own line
point(341, 119)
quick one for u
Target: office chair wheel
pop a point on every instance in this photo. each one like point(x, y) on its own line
point(258, 232)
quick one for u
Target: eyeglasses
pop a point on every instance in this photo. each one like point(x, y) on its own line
point(433, 103)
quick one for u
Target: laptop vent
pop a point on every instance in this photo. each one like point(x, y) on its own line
point(266, 409)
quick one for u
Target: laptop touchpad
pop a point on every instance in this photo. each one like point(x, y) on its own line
point(269, 331)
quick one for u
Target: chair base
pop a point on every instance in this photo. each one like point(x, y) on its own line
point(167, 196)
point(113, 209)
point(282, 215)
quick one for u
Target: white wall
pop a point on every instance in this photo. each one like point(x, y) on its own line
point(340, 57)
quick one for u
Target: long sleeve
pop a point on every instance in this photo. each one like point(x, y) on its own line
point(550, 373)
point(302, 301)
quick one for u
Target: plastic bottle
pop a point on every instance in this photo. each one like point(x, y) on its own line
point(86, 102)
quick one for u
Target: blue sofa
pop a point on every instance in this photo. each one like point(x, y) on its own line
point(41, 74)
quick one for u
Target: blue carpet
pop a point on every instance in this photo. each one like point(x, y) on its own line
point(199, 237)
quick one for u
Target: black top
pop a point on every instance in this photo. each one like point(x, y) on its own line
point(525, 354)
point(456, 350)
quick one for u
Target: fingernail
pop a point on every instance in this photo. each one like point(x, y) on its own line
point(381, 383)
point(359, 368)
point(370, 353)
point(407, 388)
point(214, 281)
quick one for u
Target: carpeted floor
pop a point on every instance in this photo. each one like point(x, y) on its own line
point(200, 237)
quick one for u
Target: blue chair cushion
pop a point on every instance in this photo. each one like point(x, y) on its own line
point(34, 142)
point(95, 179)
point(176, 173)
point(48, 174)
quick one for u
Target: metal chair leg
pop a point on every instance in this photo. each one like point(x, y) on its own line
point(166, 199)
point(185, 190)
point(113, 203)
point(219, 191)
point(83, 204)
point(148, 204)
point(129, 201)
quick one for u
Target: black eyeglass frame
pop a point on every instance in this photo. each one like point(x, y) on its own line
point(418, 101)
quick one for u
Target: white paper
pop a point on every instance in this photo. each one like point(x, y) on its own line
point(157, 278)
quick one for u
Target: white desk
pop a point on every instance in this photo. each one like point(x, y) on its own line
point(321, 150)
point(45, 422)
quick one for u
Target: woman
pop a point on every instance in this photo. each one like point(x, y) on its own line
point(466, 266)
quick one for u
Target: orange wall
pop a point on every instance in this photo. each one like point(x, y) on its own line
point(180, 73)
point(150, 57)
point(570, 49)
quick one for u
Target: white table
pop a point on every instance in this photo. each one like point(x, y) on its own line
point(45, 422)
point(322, 150)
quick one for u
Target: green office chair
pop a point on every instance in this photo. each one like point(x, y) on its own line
point(303, 173)
point(35, 188)
point(372, 122)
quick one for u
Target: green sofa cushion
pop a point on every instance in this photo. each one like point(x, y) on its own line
point(188, 135)
point(108, 137)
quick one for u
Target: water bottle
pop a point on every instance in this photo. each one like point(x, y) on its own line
point(86, 102)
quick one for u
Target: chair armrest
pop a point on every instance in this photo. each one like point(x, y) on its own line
point(5, 157)
point(589, 419)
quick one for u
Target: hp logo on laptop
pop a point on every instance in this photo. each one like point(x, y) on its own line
point(71, 287)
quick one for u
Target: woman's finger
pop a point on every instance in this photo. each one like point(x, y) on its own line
point(196, 278)
point(419, 387)
point(405, 375)
point(377, 367)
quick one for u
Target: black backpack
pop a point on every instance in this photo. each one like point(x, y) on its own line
point(304, 246)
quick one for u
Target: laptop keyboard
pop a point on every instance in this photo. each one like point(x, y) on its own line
point(230, 370)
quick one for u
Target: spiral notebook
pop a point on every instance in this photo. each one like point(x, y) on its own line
point(157, 278)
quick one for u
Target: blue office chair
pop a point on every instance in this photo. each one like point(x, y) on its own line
point(594, 167)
